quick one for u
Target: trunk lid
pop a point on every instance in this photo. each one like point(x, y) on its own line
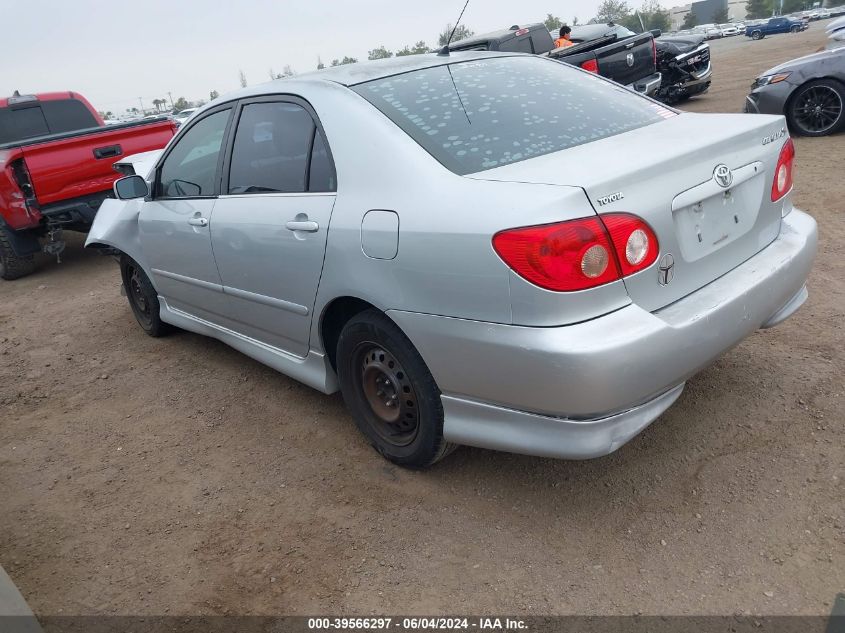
point(664, 173)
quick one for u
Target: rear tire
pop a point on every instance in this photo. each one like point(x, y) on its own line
point(794, 29)
point(11, 265)
point(143, 298)
point(756, 35)
point(817, 108)
point(390, 392)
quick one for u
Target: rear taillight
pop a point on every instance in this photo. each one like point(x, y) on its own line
point(578, 254)
point(654, 51)
point(591, 65)
point(634, 241)
point(783, 171)
point(22, 178)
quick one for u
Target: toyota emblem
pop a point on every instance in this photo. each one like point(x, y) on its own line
point(723, 176)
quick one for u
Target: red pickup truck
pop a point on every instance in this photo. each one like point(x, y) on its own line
point(56, 157)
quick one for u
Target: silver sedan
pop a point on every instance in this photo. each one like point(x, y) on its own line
point(485, 249)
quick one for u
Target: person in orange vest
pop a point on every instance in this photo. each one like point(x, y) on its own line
point(563, 41)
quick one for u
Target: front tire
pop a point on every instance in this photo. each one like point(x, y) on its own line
point(13, 266)
point(143, 299)
point(390, 392)
point(817, 108)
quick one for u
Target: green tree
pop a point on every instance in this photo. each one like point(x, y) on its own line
point(416, 49)
point(181, 104)
point(655, 16)
point(242, 78)
point(575, 21)
point(552, 22)
point(612, 11)
point(379, 53)
point(213, 95)
point(461, 33)
point(320, 64)
point(690, 20)
point(720, 16)
point(756, 9)
point(346, 60)
point(791, 6)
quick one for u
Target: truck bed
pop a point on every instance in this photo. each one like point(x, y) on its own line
point(70, 173)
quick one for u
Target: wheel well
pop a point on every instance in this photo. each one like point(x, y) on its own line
point(335, 316)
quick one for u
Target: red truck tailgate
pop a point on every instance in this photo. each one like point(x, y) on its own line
point(64, 168)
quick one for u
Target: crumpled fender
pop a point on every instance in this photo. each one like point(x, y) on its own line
point(142, 164)
point(116, 226)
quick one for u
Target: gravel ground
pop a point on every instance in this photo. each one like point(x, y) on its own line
point(176, 476)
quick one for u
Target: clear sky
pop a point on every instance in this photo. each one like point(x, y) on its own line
point(115, 52)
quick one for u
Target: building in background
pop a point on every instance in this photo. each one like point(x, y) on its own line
point(705, 12)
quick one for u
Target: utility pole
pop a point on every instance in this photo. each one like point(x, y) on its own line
point(171, 99)
point(141, 101)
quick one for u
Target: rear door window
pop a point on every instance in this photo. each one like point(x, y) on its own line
point(477, 115)
point(279, 149)
point(67, 115)
point(22, 123)
point(517, 45)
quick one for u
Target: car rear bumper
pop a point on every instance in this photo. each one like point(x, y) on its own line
point(583, 390)
point(647, 85)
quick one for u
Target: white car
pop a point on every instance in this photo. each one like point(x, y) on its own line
point(184, 115)
point(728, 30)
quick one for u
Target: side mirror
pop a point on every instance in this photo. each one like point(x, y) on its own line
point(656, 32)
point(131, 187)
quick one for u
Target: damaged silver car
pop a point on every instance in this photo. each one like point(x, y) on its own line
point(488, 249)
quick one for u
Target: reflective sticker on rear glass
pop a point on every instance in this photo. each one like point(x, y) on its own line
point(478, 115)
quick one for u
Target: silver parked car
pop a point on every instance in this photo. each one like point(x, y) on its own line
point(489, 249)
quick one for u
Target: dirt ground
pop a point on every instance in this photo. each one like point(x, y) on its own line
point(176, 476)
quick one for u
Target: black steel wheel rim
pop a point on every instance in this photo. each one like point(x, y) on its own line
point(387, 393)
point(138, 298)
point(817, 109)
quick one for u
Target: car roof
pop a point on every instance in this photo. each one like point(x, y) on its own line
point(352, 74)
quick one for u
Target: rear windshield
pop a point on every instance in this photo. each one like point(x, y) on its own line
point(477, 115)
point(18, 123)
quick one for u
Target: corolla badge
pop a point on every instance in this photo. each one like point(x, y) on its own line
point(630, 59)
point(666, 269)
point(771, 138)
point(723, 176)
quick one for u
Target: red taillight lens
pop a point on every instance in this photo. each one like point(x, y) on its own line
point(566, 256)
point(578, 254)
point(783, 171)
point(634, 241)
point(654, 51)
point(590, 65)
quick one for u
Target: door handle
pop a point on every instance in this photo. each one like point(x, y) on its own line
point(108, 152)
point(198, 221)
point(302, 225)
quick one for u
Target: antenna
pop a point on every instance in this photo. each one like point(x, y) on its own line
point(445, 50)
